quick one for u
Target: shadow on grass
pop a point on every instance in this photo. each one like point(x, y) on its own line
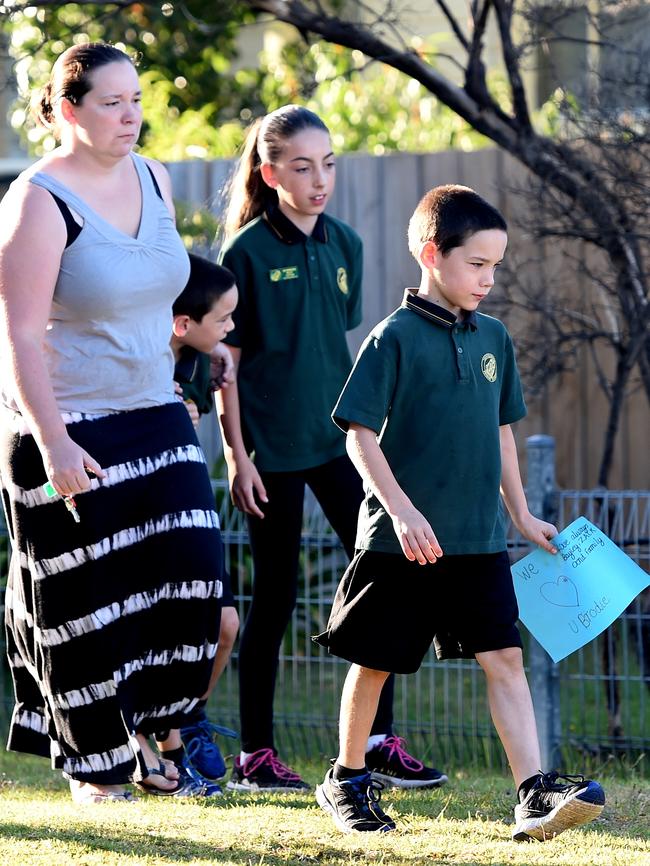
point(133, 844)
point(130, 844)
point(489, 801)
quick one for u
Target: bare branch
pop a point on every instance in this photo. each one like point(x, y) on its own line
point(475, 81)
point(360, 37)
point(453, 23)
point(503, 10)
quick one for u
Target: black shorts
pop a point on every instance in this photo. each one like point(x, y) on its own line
point(388, 610)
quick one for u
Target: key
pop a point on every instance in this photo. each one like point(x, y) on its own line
point(72, 508)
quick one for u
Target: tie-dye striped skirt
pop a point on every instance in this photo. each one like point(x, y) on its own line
point(112, 622)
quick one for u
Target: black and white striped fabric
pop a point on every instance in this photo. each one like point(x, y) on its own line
point(112, 622)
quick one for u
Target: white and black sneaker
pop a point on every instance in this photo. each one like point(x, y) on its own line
point(549, 806)
point(354, 804)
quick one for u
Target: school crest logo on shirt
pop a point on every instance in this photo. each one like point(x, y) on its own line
point(489, 367)
point(276, 275)
point(342, 280)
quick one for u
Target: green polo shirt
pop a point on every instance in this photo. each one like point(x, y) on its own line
point(298, 295)
point(436, 391)
point(192, 372)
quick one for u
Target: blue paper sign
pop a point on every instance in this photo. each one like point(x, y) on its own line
point(566, 599)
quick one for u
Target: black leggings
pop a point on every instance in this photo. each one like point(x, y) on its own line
point(275, 545)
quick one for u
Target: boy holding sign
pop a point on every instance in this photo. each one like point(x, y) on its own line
point(427, 410)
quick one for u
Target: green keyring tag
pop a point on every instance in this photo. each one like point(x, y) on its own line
point(48, 489)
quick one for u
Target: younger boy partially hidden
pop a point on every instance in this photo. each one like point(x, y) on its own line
point(427, 410)
point(202, 318)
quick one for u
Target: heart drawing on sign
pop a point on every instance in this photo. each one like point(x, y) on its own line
point(562, 593)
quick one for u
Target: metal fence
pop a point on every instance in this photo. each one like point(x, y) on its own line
point(591, 708)
point(596, 700)
point(604, 689)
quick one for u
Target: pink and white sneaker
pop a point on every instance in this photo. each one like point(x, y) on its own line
point(263, 771)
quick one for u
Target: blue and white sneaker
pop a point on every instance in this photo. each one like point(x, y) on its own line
point(549, 807)
point(195, 785)
point(203, 754)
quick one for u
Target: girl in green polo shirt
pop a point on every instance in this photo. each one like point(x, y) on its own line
point(299, 278)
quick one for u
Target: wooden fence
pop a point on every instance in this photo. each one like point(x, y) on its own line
point(376, 195)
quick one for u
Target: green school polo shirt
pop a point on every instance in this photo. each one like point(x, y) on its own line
point(192, 372)
point(298, 295)
point(436, 391)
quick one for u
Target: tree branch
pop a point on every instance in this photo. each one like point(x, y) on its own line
point(360, 37)
point(453, 23)
point(503, 10)
point(475, 81)
point(553, 162)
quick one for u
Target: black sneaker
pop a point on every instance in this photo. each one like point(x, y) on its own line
point(549, 807)
point(262, 771)
point(391, 764)
point(354, 804)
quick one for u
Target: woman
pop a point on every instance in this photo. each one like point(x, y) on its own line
point(113, 596)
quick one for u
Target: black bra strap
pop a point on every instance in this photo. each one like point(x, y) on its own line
point(71, 224)
point(155, 182)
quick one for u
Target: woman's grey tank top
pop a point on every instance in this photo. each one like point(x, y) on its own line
point(107, 341)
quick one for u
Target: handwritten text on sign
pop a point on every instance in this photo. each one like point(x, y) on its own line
point(566, 599)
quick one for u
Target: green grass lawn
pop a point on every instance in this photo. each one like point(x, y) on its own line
point(467, 823)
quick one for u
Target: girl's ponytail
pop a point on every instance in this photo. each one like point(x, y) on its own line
point(248, 194)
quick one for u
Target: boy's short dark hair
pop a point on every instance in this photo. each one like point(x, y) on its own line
point(207, 283)
point(448, 216)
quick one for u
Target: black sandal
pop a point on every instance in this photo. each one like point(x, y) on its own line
point(148, 788)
